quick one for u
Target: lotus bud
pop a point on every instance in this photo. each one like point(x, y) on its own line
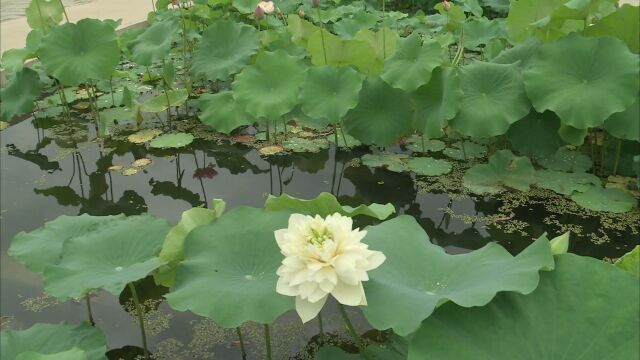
point(446, 5)
point(258, 13)
point(267, 6)
point(315, 3)
point(301, 12)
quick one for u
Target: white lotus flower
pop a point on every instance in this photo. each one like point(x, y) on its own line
point(322, 257)
point(267, 6)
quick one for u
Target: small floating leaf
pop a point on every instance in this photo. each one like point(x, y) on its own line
point(176, 140)
point(429, 166)
point(630, 261)
point(503, 170)
point(143, 136)
point(600, 199)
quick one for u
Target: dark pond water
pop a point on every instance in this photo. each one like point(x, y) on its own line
point(40, 181)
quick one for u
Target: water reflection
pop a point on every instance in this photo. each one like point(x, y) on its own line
point(58, 171)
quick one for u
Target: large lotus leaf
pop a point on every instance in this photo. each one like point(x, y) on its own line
point(583, 80)
point(349, 26)
point(493, 99)
point(566, 160)
point(481, 31)
point(504, 170)
point(222, 112)
point(342, 52)
point(625, 125)
point(43, 14)
point(176, 140)
point(52, 339)
point(417, 275)
point(229, 269)
point(164, 100)
point(264, 89)
point(43, 246)
point(532, 18)
point(624, 24)
point(172, 252)
point(382, 116)
point(108, 257)
point(383, 41)
point(566, 183)
point(437, 102)
point(602, 199)
point(73, 354)
point(521, 53)
point(567, 318)
point(18, 97)
point(536, 135)
point(630, 261)
point(329, 92)
point(429, 166)
point(75, 53)
point(571, 135)
point(326, 204)
point(154, 43)
point(224, 49)
point(300, 29)
point(411, 66)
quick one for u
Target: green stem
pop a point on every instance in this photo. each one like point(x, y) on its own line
point(324, 49)
point(464, 150)
point(153, 6)
point(113, 98)
point(422, 141)
point(267, 340)
point(44, 28)
point(242, 349)
point(617, 161)
point(344, 138)
point(136, 302)
point(320, 325)
point(88, 298)
point(352, 331)
point(284, 122)
point(268, 139)
point(384, 40)
point(64, 11)
point(460, 53)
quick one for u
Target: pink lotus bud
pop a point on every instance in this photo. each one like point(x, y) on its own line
point(446, 5)
point(315, 3)
point(258, 13)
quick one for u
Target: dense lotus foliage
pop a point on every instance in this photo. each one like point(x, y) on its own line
point(543, 93)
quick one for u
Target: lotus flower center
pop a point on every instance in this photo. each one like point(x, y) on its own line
point(319, 236)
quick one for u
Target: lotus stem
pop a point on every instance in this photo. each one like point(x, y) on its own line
point(460, 52)
point(384, 40)
point(617, 161)
point(275, 131)
point(284, 122)
point(344, 138)
point(136, 302)
point(153, 6)
point(242, 349)
point(44, 31)
point(464, 151)
point(64, 11)
point(320, 325)
point(422, 143)
point(324, 49)
point(352, 331)
point(268, 140)
point(88, 299)
point(113, 98)
point(267, 340)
